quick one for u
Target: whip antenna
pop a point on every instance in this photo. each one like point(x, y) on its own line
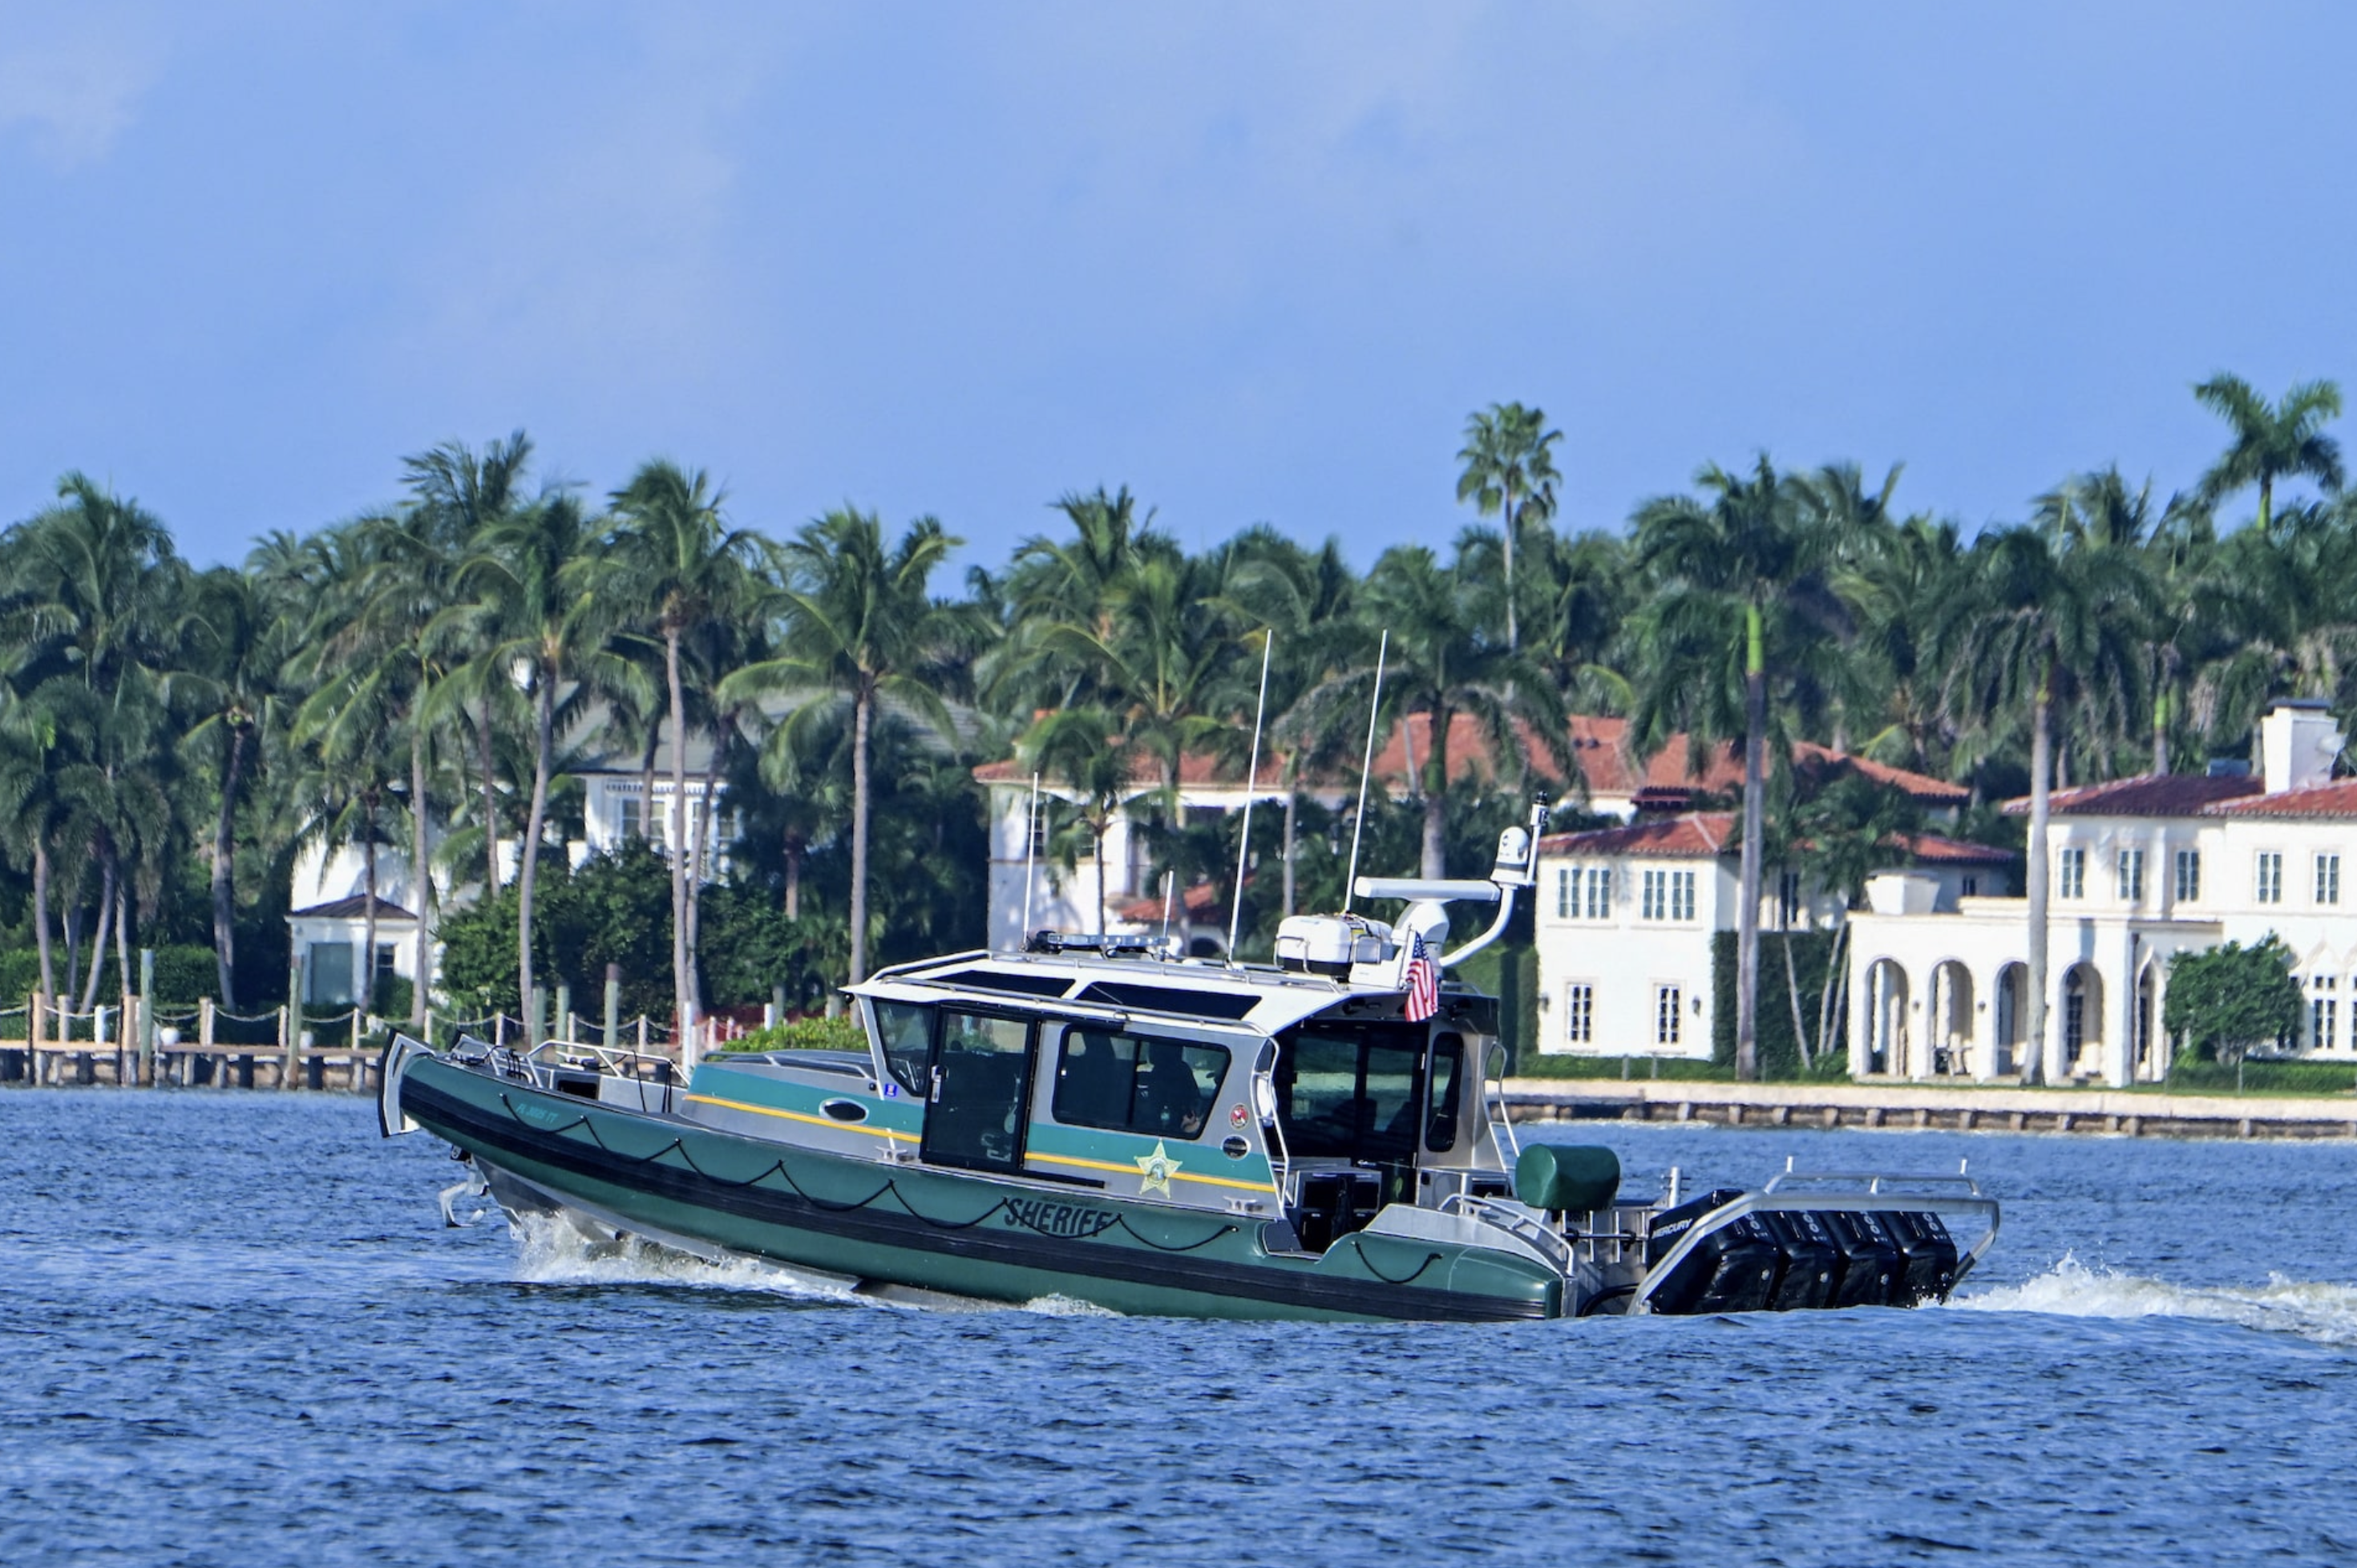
point(1252, 780)
point(1358, 821)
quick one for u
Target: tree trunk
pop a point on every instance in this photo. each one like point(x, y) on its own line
point(862, 710)
point(1435, 860)
point(1755, 794)
point(1835, 957)
point(647, 785)
point(98, 937)
point(420, 854)
point(73, 948)
point(543, 741)
point(706, 836)
point(491, 806)
point(1097, 832)
point(683, 973)
point(2034, 1066)
point(1292, 802)
point(794, 852)
point(224, 856)
point(1513, 638)
point(367, 997)
point(2266, 502)
point(1792, 990)
point(126, 975)
point(41, 914)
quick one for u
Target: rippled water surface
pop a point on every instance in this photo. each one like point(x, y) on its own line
point(237, 1332)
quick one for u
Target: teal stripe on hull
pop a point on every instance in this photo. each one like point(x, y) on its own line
point(953, 1232)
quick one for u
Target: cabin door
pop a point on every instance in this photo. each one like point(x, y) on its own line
point(976, 1094)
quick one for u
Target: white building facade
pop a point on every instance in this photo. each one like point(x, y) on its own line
point(1626, 919)
point(2141, 869)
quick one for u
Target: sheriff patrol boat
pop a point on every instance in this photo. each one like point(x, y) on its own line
point(1095, 1118)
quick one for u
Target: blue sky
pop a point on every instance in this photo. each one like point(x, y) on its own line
point(1257, 262)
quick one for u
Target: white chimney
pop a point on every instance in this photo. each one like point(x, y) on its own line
point(2299, 743)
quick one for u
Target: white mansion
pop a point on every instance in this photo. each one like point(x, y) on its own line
point(1626, 915)
point(1021, 879)
point(2143, 868)
point(619, 800)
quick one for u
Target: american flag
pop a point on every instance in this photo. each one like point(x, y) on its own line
point(1423, 981)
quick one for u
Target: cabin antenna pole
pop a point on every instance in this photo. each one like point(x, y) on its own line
point(1031, 848)
point(1374, 706)
point(1252, 781)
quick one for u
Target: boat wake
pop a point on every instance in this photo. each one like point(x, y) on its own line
point(551, 1250)
point(2326, 1314)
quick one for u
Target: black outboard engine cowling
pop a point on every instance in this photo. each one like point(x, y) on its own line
point(1813, 1263)
point(1871, 1265)
point(1732, 1269)
point(1927, 1253)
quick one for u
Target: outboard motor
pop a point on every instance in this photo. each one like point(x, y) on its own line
point(1734, 1269)
point(1813, 1263)
point(1871, 1265)
point(1927, 1253)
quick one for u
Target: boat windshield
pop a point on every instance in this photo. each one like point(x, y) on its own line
point(1348, 1090)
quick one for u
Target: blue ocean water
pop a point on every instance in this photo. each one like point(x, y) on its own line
point(235, 1331)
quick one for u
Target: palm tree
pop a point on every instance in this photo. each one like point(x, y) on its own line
point(1509, 475)
point(858, 627)
point(1893, 589)
point(454, 494)
point(1745, 588)
point(1304, 600)
point(2048, 623)
point(243, 643)
point(2271, 441)
point(29, 810)
point(538, 570)
point(412, 559)
point(1061, 591)
point(1078, 749)
point(681, 569)
point(1443, 663)
point(93, 610)
point(1157, 660)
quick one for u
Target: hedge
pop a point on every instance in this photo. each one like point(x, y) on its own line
point(1779, 1055)
point(183, 974)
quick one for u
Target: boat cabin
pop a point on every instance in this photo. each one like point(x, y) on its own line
point(1289, 1097)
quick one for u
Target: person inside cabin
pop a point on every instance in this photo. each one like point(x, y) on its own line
point(1169, 1100)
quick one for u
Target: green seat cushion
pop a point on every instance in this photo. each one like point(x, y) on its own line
point(1575, 1177)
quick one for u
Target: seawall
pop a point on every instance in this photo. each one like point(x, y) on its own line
point(2127, 1113)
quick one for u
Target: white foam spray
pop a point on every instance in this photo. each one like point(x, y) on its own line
point(2326, 1314)
point(551, 1250)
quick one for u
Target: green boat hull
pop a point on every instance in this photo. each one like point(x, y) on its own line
point(907, 1224)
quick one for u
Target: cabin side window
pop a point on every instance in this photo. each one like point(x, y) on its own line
point(1130, 1083)
point(905, 1033)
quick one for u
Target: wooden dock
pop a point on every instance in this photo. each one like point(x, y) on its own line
point(55, 1064)
point(2121, 1112)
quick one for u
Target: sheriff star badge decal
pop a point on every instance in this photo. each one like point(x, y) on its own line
point(1155, 1170)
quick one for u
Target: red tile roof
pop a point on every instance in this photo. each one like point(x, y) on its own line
point(2146, 795)
point(1194, 903)
point(1696, 833)
point(1600, 745)
point(1931, 849)
point(1710, 834)
point(2338, 798)
point(1146, 770)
